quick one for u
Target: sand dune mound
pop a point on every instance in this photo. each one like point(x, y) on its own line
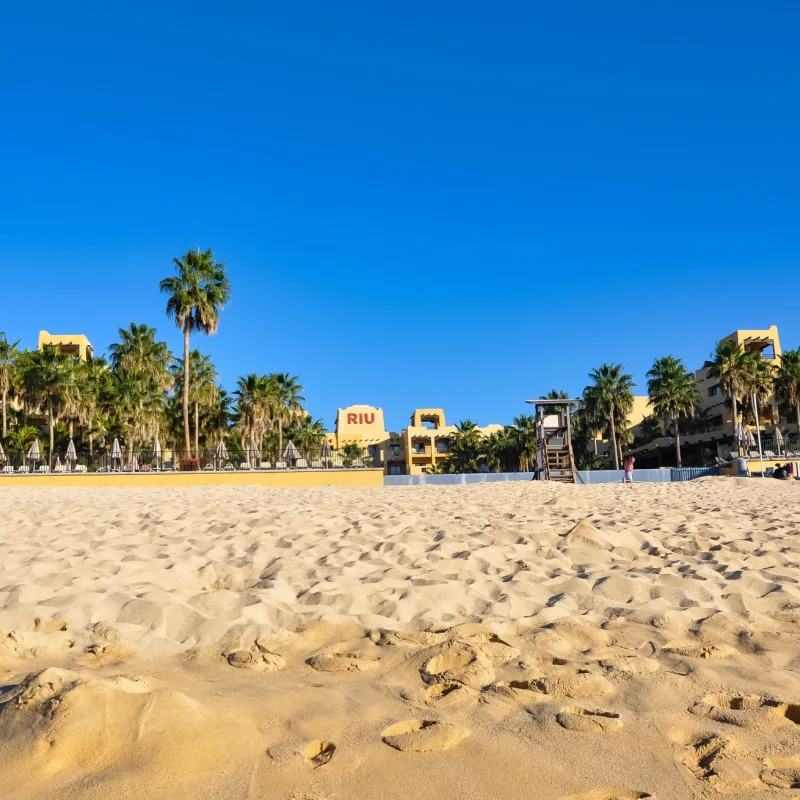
point(62, 724)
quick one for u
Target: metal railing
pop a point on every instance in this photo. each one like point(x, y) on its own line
point(145, 460)
point(771, 448)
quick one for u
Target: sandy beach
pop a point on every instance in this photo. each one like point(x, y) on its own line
point(517, 641)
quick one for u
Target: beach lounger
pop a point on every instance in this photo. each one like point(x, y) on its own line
point(229, 468)
point(9, 470)
point(769, 454)
point(280, 465)
point(317, 465)
point(23, 470)
point(752, 454)
point(208, 468)
point(301, 463)
point(244, 465)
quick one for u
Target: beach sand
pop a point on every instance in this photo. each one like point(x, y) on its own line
point(517, 641)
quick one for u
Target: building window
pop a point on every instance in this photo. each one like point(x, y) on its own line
point(715, 390)
point(395, 469)
point(395, 449)
point(419, 449)
point(716, 422)
point(442, 447)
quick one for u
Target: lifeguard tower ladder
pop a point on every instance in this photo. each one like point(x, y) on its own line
point(554, 458)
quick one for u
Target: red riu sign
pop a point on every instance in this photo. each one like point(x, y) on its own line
point(360, 419)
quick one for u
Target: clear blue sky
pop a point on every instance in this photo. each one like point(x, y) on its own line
point(420, 204)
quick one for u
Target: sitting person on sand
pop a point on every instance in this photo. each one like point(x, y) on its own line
point(780, 473)
point(628, 467)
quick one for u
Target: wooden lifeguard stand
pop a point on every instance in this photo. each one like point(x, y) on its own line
point(554, 458)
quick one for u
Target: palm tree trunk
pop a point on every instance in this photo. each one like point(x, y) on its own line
point(735, 413)
point(614, 438)
point(71, 428)
point(677, 443)
point(280, 436)
point(197, 427)
point(796, 411)
point(52, 432)
point(5, 403)
point(187, 441)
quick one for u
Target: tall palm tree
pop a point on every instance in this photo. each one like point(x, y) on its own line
point(47, 375)
point(759, 383)
point(219, 417)
point(8, 360)
point(198, 291)
point(290, 401)
point(673, 394)
point(612, 395)
point(556, 394)
point(203, 382)
point(787, 384)
point(138, 350)
point(729, 367)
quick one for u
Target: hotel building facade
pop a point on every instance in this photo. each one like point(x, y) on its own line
point(413, 451)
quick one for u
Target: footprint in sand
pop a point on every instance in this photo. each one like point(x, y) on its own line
point(692, 650)
point(343, 662)
point(448, 694)
point(782, 772)
point(583, 720)
point(747, 711)
point(423, 736)
point(581, 684)
point(458, 663)
point(319, 752)
point(256, 660)
point(611, 793)
point(714, 760)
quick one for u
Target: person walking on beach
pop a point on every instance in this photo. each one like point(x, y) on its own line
point(628, 467)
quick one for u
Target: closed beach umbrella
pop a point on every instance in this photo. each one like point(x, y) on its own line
point(740, 434)
point(116, 452)
point(779, 440)
point(58, 463)
point(156, 451)
point(327, 450)
point(34, 453)
point(290, 452)
point(221, 452)
point(71, 454)
point(254, 453)
point(2, 454)
point(749, 439)
point(135, 464)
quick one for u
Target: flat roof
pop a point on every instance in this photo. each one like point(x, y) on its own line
point(560, 402)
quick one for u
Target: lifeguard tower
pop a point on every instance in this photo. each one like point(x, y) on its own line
point(554, 458)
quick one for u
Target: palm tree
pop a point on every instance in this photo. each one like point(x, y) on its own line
point(759, 383)
point(203, 382)
point(526, 434)
point(8, 359)
point(673, 394)
point(139, 351)
point(290, 401)
point(197, 292)
point(556, 394)
point(611, 395)
point(137, 405)
point(729, 367)
point(47, 375)
point(787, 384)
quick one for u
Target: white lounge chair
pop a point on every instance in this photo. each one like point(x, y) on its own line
point(244, 465)
point(82, 468)
point(280, 465)
point(208, 468)
point(23, 469)
point(301, 463)
point(8, 469)
point(229, 468)
point(769, 454)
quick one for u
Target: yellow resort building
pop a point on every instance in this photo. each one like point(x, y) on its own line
point(714, 422)
point(74, 343)
point(414, 451)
